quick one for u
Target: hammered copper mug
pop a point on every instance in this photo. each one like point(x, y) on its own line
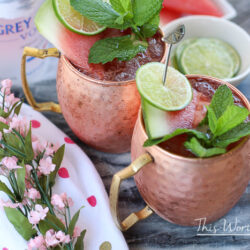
point(100, 113)
point(182, 190)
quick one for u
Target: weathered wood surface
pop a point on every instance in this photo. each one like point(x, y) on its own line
point(155, 233)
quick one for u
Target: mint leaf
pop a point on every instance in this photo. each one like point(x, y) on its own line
point(144, 10)
point(123, 48)
point(222, 98)
point(151, 27)
point(212, 120)
point(197, 149)
point(233, 135)
point(232, 117)
point(178, 131)
point(123, 7)
point(99, 12)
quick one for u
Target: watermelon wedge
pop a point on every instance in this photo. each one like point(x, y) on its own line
point(74, 46)
point(159, 123)
point(167, 16)
point(194, 7)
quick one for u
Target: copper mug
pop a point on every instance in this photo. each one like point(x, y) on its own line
point(182, 190)
point(100, 113)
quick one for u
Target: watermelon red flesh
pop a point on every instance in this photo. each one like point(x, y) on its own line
point(74, 46)
point(167, 16)
point(194, 7)
point(192, 115)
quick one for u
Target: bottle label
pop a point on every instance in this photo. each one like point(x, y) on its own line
point(15, 34)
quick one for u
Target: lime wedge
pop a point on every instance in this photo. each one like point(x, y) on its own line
point(210, 57)
point(73, 20)
point(175, 95)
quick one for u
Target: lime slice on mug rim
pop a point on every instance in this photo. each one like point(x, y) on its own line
point(73, 20)
point(175, 95)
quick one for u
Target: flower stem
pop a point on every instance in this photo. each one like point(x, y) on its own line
point(45, 198)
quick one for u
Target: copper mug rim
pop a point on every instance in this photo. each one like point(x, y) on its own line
point(166, 153)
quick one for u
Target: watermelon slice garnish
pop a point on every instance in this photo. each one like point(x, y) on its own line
point(193, 7)
point(159, 123)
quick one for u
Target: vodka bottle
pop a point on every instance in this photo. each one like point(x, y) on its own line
point(17, 30)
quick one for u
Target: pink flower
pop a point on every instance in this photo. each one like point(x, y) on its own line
point(77, 232)
point(10, 162)
point(50, 238)
point(62, 237)
point(20, 124)
point(46, 166)
point(11, 100)
point(57, 201)
point(37, 243)
point(9, 204)
point(61, 201)
point(38, 214)
point(6, 86)
point(33, 194)
point(3, 120)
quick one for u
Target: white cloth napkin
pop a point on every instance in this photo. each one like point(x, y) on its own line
point(80, 180)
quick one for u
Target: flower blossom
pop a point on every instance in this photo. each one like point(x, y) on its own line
point(61, 201)
point(20, 124)
point(38, 214)
point(11, 100)
point(9, 204)
point(46, 166)
point(10, 163)
point(37, 243)
point(6, 86)
point(76, 232)
point(33, 194)
point(53, 238)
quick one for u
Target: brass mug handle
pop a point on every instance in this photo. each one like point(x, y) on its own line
point(40, 53)
point(127, 172)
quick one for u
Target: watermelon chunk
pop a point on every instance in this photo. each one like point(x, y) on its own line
point(167, 16)
point(194, 7)
point(74, 46)
point(159, 123)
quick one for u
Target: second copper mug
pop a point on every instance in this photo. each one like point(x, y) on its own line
point(100, 113)
point(179, 189)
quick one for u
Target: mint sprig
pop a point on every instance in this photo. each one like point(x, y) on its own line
point(142, 16)
point(123, 48)
point(225, 123)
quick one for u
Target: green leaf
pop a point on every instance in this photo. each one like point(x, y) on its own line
point(123, 48)
point(122, 7)
point(51, 222)
point(12, 151)
point(232, 117)
point(14, 141)
point(73, 222)
point(99, 12)
point(178, 131)
point(3, 126)
point(145, 10)
point(28, 147)
point(151, 27)
point(6, 190)
point(79, 243)
point(57, 160)
point(222, 98)
point(212, 120)
point(233, 135)
point(18, 108)
point(5, 115)
point(21, 179)
point(197, 149)
point(20, 222)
